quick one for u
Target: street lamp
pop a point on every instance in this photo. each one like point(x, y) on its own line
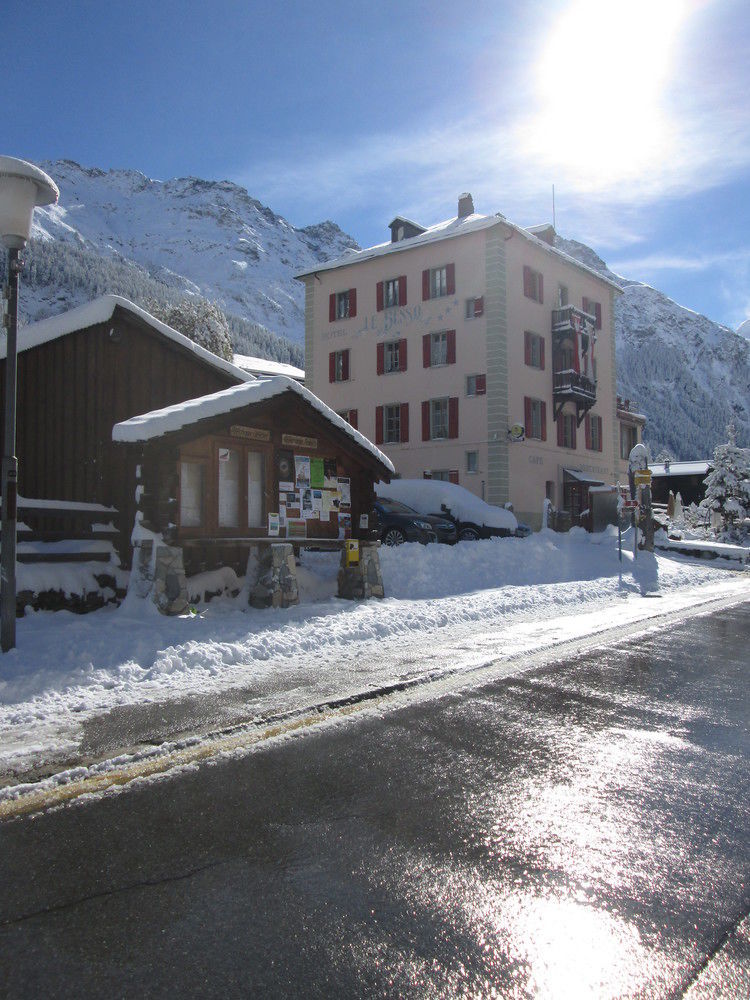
point(22, 187)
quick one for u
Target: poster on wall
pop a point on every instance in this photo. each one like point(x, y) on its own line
point(274, 522)
point(329, 504)
point(296, 528)
point(345, 525)
point(285, 468)
point(282, 516)
point(286, 486)
point(316, 473)
point(330, 480)
point(302, 471)
point(345, 491)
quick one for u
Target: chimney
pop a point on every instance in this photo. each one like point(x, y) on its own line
point(465, 205)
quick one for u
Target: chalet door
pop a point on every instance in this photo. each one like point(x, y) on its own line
point(254, 489)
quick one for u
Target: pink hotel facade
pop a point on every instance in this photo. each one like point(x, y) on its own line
point(443, 344)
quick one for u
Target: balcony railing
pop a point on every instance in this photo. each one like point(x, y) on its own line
point(568, 319)
point(573, 385)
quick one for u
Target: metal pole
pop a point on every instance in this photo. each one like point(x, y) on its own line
point(10, 467)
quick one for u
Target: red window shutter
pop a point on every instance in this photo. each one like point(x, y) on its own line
point(527, 415)
point(585, 304)
point(426, 350)
point(450, 354)
point(426, 421)
point(425, 284)
point(541, 288)
point(345, 366)
point(331, 307)
point(541, 354)
point(352, 303)
point(402, 290)
point(378, 425)
point(479, 306)
point(450, 276)
point(332, 366)
point(601, 439)
point(404, 422)
point(379, 296)
point(527, 348)
point(453, 417)
point(354, 418)
point(453, 476)
point(544, 421)
point(560, 435)
point(402, 355)
point(527, 280)
point(481, 385)
point(573, 433)
point(381, 359)
point(598, 313)
point(588, 431)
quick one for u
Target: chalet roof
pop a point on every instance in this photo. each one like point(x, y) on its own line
point(680, 469)
point(148, 426)
point(101, 310)
point(262, 366)
point(450, 229)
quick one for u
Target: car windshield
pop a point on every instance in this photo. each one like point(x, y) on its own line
point(394, 507)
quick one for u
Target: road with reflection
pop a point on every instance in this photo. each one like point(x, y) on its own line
point(577, 831)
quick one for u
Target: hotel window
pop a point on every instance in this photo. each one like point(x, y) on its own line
point(593, 432)
point(439, 418)
point(392, 423)
point(535, 415)
point(192, 493)
point(566, 430)
point(351, 417)
point(391, 356)
point(562, 296)
point(476, 385)
point(438, 282)
point(533, 284)
point(442, 475)
point(338, 366)
point(391, 293)
point(534, 350)
point(474, 308)
point(342, 305)
point(593, 309)
point(439, 348)
point(472, 462)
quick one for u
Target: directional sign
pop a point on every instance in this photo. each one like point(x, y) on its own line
point(642, 477)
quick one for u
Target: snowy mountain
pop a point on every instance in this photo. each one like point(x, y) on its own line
point(689, 375)
point(118, 231)
point(744, 329)
point(201, 237)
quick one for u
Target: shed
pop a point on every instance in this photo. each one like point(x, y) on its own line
point(218, 473)
point(685, 478)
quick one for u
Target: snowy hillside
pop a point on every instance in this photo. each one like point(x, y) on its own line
point(689, 375)
point(203, 237)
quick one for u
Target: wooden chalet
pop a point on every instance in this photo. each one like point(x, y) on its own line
point(86, 370)
point(211, 471)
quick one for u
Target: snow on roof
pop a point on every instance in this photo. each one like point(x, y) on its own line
point(262, 366)
point(151, 425)
point(449, 228)
point(100, 311)
point(679, 469)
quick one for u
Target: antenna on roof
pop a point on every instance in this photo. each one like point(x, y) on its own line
point(553, 208)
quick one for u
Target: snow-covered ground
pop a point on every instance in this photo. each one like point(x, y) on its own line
point(446, 608)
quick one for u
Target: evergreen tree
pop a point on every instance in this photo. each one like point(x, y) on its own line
point(198, 319)
point(728, 482)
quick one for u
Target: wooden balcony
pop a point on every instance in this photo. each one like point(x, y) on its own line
point(571, 386)
point(568, 320)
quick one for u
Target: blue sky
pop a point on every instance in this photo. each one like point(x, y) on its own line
point(637, 111)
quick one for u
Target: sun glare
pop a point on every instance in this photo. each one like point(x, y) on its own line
point(600, 89)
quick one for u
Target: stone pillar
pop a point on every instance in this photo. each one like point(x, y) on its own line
point(170, 587)
point(272, 576)
point(358, 583)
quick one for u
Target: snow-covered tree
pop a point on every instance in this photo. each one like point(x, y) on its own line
point(199, 319)
point(728, 482)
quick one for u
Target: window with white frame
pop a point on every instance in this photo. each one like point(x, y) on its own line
point(439, 418)
point(391, 292)
point(471, 385)
point(472, 461)
point(439, 348)
point(562, 296)
point(534, 430)
point(443, 475)
point(438, 282)
point(474, 308)
point(391, 356)
point(341, 366)
point(392, 423)
point(568, 430)
point(595, 433)
point(534, 350)
point(342, 305)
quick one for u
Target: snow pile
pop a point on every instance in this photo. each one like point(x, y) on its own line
point(428, 495)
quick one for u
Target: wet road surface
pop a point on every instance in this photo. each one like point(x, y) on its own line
point(581, 830)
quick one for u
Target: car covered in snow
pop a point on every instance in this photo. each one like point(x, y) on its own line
point(472, 517)
point(398, 523)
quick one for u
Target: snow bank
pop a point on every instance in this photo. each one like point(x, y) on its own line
point(427, 495)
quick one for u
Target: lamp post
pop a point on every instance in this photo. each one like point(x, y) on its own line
point(22, 187)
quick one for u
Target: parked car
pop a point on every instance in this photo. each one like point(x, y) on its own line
point(472, 517)
point(523, 530)
point(398, 523)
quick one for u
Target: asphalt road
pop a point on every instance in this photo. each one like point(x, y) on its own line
point(581, 830)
